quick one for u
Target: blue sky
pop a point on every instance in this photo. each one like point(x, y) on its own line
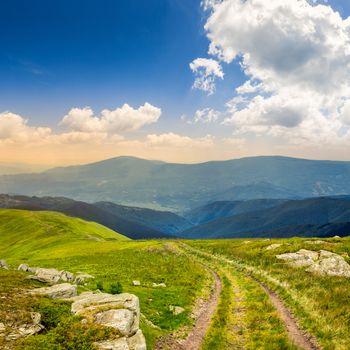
point(58, 55)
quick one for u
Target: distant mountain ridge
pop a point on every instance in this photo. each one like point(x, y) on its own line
point(178, 187)
point(312, 217)
point(308, 217)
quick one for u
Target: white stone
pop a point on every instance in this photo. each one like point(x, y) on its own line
point(3, 265)
point(23, 267)
point(58, 291)
point(176, 310)
point(120, 319)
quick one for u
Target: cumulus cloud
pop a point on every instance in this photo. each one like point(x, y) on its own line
point(178, 141)
point(121, 119)
point(82, 126)
point(296, 56)
point(206, 72)
point(14, 128)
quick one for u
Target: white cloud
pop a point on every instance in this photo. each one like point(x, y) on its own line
point(178, 141)
point(83, 126)
point(206, 72)
point(14, 128)
point(206, 115)
point(121, 119)
point(209, 4)
point(276, 110)
point(248, 88)
point(296, 56)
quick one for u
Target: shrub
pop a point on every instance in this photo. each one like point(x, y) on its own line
point(116, 288)
point(99, 285)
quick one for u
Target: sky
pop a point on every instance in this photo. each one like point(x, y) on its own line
point(180, 81)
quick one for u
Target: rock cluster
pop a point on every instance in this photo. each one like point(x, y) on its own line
point(322, 262)
point(121, 312)
point(25, 330)
point(53, 276)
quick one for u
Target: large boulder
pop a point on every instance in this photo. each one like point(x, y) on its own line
point(120, 319)
point(322, 262)
point(120, 311)
point(58, 291)
point(53, 276)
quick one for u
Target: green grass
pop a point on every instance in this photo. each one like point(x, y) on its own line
point(23, 233)
point(321, 303)
point(53, 240)
point(245, 318)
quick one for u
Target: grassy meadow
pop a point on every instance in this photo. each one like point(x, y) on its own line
point(244, 319)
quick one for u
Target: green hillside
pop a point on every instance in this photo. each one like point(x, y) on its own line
point(25, 233)
point(53, 240)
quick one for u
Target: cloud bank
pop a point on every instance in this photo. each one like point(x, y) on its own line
point(296, 57)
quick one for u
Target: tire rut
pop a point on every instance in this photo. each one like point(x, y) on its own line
point(296, 335)
point(195, 338)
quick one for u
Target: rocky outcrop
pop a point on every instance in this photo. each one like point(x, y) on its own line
point(120, 312)
point(322, 262)
point(26, 330)
point(58, 291)
point(3, 265)
point(53, 276)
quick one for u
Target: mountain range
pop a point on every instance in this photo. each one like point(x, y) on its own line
point(313, 217)
point(179, 187)
point(320, 217)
